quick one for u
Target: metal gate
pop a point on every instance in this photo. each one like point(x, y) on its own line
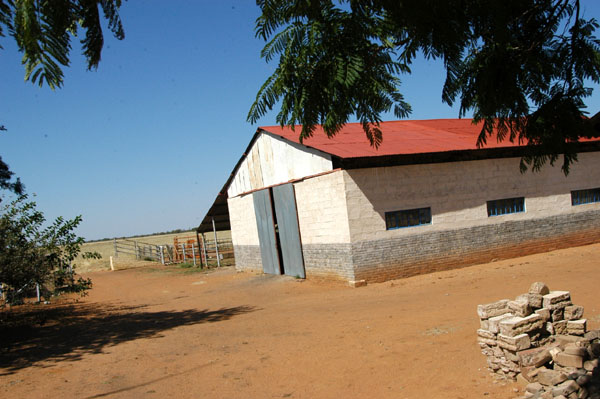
point(266, 231)
point(279, 235)
point(289, 233)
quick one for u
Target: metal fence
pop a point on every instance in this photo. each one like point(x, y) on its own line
point(200, 253)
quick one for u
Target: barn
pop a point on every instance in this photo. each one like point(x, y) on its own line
point(427, 199)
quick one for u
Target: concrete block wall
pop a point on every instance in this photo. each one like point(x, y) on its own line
point(342, 217)
point(457, 193)
point(461, 233)
point(323, 224)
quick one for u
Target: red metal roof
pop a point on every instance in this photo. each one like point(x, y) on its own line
point(399, 137)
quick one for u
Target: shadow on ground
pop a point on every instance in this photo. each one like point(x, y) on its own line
point(69, 331)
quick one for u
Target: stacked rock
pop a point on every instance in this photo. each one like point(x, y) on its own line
point(540, 339)
point(566, 368)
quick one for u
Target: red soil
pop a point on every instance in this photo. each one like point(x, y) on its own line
point(160, 332)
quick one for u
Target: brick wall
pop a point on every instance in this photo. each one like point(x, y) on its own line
point(331, 261)
point(247, 257)
point(381, 260)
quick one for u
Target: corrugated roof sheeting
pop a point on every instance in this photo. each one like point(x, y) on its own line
point(399, 137)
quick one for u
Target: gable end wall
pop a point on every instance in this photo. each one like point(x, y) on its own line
point(272, 160)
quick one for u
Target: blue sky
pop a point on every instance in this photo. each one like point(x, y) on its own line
point(144, 143)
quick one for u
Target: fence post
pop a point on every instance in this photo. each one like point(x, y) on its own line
point(116, 249)
point(204, 250)
point(194, 253)
point(169, 253)
point(162, 255)
point(199, 248)
point(183, 251)
point(37, 291)
point(216, 243)
point(137, 253)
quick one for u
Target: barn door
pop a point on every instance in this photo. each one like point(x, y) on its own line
point(284, 201)
point(266, 231)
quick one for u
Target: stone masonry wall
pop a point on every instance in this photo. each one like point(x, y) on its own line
point(540, 339)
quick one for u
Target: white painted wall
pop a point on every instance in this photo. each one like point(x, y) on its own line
point(273, 160)
point(457, 193)
point(243, 220)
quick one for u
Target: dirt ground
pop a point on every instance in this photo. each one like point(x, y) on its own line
point(157, 332)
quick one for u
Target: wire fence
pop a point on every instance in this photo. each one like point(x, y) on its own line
point(199, 252)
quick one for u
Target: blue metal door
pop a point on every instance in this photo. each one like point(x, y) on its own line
point(266, 231)
point(284, 200)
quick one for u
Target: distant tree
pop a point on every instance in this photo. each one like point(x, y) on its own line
point(43, 30)
point(519, 65)
point(30, 254)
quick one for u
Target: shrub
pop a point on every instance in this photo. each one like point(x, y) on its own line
point(31, 254)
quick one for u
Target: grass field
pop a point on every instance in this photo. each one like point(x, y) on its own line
point(106, 249)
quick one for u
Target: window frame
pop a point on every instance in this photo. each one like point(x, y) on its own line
point(585, 196)
point(405, 218)
point(505, 206)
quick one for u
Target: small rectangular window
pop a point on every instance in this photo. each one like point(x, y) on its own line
point(505, 206)
point(580, 197)
point(407, 218)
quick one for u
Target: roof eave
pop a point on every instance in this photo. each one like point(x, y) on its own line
point(445, 156)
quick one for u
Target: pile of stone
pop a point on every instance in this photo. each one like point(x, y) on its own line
point(540, 339)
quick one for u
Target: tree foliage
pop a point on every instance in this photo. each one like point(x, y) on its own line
point(520, 66)
point(31, 254)
point(43, 30)
point(6, 181)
